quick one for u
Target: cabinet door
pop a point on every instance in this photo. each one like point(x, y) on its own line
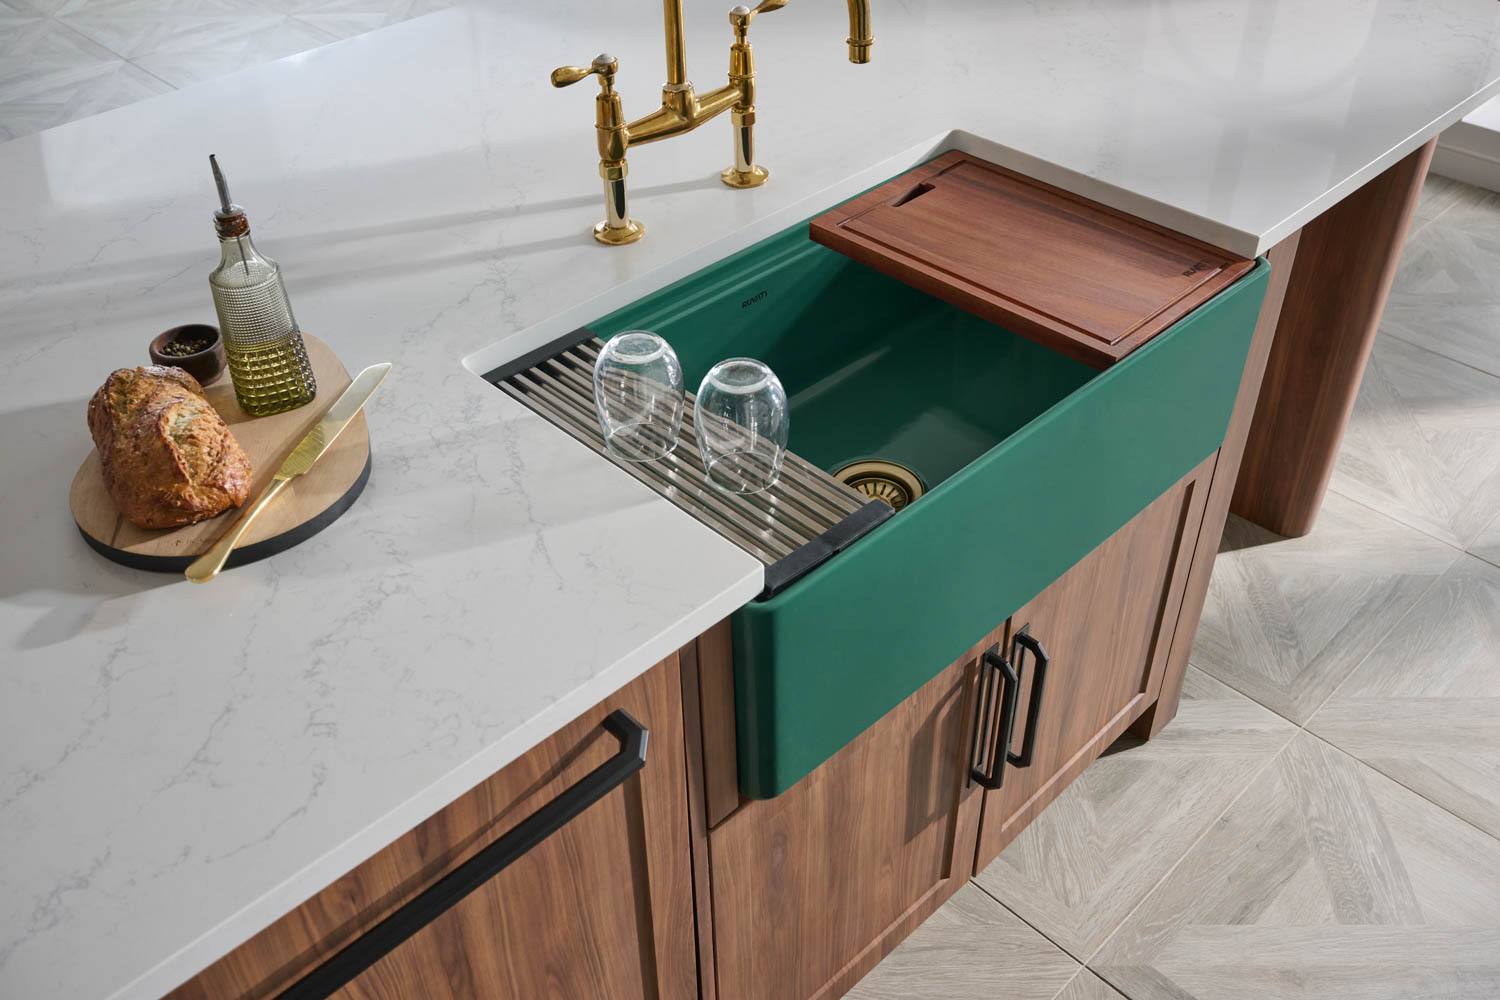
point(813, 887)
point(600, 908)
point(1106, 628)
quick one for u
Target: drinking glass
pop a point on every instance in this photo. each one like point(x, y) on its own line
point(638, 395)
point(742, 421)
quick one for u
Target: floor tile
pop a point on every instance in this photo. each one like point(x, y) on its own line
point(61, 60)
point(1422, 443)
point(166, 9)
point(1098, 850)
point(204, 49)
point(346, 24)
point(138, 27)
point(971, 948)
point(1087, 986)
point(1487, 545)
point(18, 32)
point(135, 28)
point(43, 7)
point(1325, 881)
point(347, 18)
point(1288, 619)
point(419, 7)
point(65, 102)
point(1459, 204)
point(38, 55)
point(1445, 297)
point(1438, 195)
point(13, 16)
point(1424, 707)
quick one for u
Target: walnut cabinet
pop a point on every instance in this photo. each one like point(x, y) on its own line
point(1088, 656)
point(601, 906)
point(810, 889)
point(663, 882)
point(658, 880)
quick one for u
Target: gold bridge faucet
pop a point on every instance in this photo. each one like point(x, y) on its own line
point(682, 110)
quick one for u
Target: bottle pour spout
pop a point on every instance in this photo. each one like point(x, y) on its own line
point(224, 202)
point(229, 218)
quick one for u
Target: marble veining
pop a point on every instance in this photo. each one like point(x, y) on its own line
point(180, 765)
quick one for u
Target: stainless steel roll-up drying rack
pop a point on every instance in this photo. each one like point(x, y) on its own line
point(807, 517)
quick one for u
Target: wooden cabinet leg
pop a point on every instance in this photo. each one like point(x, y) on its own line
point(1221, 488)
point(1338, 289)
point(1328, 288)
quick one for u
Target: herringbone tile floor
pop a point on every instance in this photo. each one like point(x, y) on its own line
point(61, 60)
point(1322, 819)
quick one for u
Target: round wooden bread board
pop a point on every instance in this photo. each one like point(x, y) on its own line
point(305, 506)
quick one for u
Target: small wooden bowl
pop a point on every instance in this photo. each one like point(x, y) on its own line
point(204, 365)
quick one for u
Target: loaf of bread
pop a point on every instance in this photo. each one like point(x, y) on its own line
point(168, 456)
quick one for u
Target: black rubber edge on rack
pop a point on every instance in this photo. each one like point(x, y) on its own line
point(546, 352)
point(789, 569)
point(246, 553)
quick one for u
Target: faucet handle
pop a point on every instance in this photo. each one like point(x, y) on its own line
point(740, 16)
point(604, 65)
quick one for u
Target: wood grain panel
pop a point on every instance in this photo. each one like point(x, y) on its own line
point(1444, 296)
point(601, 909)
point(1220, 491)
point(1288, 619)
point(1345, 265)
point(812, 888)
point(1080, 867)
point(1423, 441)
point(972, 947)
point(1424, 707)
point(1078, 277)
point(1324, 880)
point(1087, 986)
point(721, 769)
point(692, 734)
point(1107, 626)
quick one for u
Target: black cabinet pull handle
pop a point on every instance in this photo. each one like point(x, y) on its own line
point(1024, 640)
point(987, 758)
point(375, 943)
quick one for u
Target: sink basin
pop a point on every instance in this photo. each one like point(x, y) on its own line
point(1029, 459)
point(872, 367)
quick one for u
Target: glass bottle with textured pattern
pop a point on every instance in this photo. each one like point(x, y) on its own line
point(267, 359)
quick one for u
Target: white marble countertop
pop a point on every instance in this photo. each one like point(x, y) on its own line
point(180, 765)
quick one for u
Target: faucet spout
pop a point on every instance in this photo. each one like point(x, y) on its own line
point(860, 38)
point(683, 109)
point(676, 45)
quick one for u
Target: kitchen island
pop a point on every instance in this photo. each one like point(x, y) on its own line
point(183, 765)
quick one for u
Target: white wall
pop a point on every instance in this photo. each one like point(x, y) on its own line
point(1470, 150)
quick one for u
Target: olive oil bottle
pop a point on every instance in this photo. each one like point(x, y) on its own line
point(267, 359)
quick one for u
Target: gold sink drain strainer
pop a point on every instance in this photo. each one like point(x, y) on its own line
point(880, 480)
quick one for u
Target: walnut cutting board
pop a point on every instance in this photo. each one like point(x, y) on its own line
point(306, 506)
point(1074, 275)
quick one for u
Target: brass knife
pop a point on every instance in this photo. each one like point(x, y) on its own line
point(308, 450)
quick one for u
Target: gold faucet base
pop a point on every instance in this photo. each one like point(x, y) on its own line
point(752, 178)
point(683, 109)
point(631, 232)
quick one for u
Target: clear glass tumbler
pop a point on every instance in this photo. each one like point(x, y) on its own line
point(742, 422)
point(638, 395)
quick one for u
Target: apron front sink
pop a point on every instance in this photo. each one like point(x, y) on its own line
point(1029, 460)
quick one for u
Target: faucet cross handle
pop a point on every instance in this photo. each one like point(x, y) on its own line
point(740, 16)
point(604, 64)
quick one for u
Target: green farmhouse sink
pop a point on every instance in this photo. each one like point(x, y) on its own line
point(872, 368)
point(1029, 460)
